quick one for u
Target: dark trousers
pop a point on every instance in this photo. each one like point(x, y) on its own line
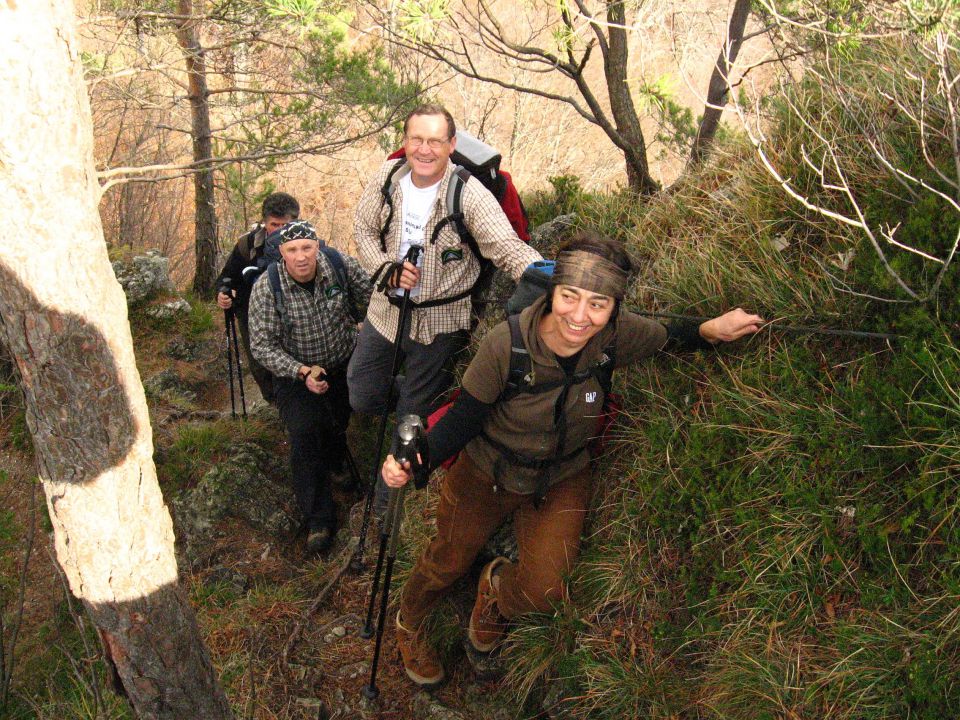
point(427, 374)
point(317, 431)
point(470, 511)
point(261, 376)
point(427, 371)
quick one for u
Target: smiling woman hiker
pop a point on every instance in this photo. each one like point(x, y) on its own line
point(525, 444)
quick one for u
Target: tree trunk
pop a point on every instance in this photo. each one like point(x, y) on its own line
point(621, 102)
point(205, 213)
point(719, 82)
point(64, 321)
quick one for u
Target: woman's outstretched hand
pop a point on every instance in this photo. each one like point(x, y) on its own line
point(731, 325)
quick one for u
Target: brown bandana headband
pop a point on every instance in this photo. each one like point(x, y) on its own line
point(591, 272)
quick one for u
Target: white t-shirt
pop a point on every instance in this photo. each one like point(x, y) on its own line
point(417, 206)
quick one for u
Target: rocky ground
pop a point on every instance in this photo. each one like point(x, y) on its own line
point(283, 629)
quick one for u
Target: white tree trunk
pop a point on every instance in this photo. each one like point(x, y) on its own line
point(64, 319)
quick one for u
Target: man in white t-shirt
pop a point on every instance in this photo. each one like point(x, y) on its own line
point(405, 205)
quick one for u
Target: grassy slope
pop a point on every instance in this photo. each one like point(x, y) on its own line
point(776, 532)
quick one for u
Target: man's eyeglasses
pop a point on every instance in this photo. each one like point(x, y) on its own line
point(432, 143)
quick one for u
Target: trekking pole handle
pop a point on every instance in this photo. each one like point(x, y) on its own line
point(409, 433)
point(413, 254)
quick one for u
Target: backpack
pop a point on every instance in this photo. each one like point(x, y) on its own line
point(519, 376)
point(273, 275)
point(472, 157)
point(247, 245)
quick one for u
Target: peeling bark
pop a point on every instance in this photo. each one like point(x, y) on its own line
point(64, 321)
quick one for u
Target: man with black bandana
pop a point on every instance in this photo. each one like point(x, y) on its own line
point(524, 448)
point(306, 347)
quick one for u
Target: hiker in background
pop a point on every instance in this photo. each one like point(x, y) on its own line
point(232, 293)
point(524, 436)
point(303, 331)
point(404, 206)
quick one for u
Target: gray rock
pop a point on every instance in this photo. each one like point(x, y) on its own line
point(426, 705)
point(229, 577)
point(168, 310)
point(143, 277)
point(354, 670)
point(242, 487)
point(168, 382)
point(546, 237)
point(486, 666)
point(555, 705)
point(193, 350)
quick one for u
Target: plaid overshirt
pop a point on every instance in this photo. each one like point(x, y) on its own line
point(324, 324)
point(448, 267)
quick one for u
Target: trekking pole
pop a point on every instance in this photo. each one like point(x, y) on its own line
point(347, 455)
point(410, 431)
point(226, 329)
point(356, 562)
point(352, 467)
point(236, 354)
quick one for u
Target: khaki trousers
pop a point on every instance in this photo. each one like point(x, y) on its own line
point(470, 511)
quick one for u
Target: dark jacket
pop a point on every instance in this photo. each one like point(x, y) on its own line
point(246, 252)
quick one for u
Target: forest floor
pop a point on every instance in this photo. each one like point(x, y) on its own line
point(282, 628)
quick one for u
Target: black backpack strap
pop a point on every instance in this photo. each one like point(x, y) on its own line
point(423, 304)
point(519, 377)
point(339, 267)
point(520, 380)
point(387, 192)
point(605, 365)
point(273, 274)
point(340, 273)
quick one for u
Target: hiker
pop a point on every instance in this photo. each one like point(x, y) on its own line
point(525, 447)
point(439, 286)
point(304, 312)
point(233, 293)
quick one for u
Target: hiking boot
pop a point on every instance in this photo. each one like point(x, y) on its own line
point(486, 624)
point(419, 658)
point(319, 541)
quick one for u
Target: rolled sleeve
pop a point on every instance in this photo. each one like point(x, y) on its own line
point(495, 236)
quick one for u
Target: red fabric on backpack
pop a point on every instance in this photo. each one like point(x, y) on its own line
point(612, 407)
point(513, 209)
point(511, 203)
point(434, 418)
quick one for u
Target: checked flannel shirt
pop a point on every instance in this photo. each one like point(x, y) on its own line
point(324, 323)
point(448, 267)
